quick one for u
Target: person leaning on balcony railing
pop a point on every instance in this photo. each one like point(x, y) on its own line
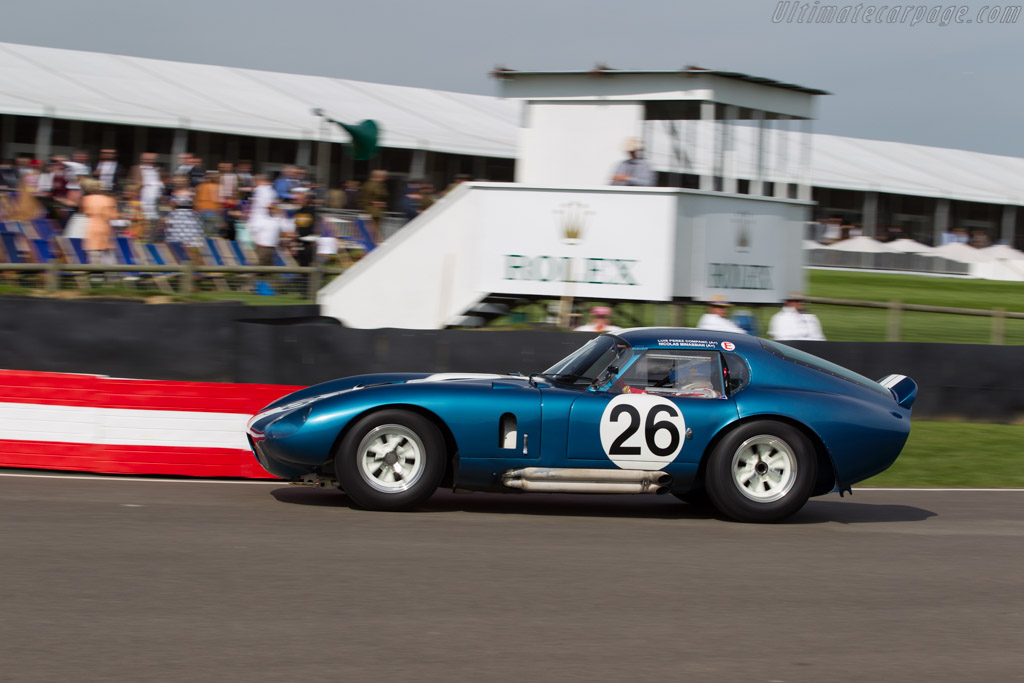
point(634, 170)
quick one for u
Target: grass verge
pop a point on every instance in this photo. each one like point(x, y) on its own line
point(957, 454)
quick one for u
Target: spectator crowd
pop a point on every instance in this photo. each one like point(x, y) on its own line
point(189, 202)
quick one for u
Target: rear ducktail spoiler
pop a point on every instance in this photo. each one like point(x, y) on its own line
point(903, 389)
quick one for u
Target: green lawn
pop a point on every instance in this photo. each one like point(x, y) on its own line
point(844, 323)
point(957, 454)
point(917, 289)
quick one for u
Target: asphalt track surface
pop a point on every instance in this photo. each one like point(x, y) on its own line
point(130, 580)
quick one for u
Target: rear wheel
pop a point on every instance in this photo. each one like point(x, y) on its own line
point(391, 460)
point(761, 472)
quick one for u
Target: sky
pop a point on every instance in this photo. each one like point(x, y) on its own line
point(956, 85)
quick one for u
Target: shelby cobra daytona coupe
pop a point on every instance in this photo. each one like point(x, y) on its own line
point(757, 426)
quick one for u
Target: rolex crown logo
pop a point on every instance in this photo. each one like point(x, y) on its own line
point(743, 223)
point(574, 220)
point(743, 239)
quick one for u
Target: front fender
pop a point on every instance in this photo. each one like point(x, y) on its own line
point(344, 384)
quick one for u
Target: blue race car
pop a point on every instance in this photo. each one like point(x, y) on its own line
point(756, 426)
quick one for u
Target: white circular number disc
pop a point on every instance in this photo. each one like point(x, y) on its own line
point(635, 439)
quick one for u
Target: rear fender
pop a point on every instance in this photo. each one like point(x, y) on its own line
point(826, 482)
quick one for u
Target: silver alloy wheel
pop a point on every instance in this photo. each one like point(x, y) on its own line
point(764, 468)
point(391, 458)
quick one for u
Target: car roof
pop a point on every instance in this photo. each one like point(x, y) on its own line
point(685, 337)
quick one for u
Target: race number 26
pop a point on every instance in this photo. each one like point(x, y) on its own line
point(642, 431)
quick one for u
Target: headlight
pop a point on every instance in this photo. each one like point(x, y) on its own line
point(289, 422)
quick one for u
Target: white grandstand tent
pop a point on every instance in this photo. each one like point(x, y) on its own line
point(861, 244)
point(908, 246)
point(48, 84)
point(867, 165)
point(963, 253)
point(92, 86)
point(1004, 252)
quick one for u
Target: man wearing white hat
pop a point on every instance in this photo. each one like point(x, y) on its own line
point(635, 170)
point(792, 323)
point(717, 317)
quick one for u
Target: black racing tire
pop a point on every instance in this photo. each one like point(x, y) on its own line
point(391, 460)
point(761, 471)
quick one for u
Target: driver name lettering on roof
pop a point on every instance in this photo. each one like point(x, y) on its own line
point(696, 343)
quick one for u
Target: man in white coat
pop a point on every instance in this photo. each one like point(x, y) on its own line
point(263, 225)
point(717, 317)
point(792, 323)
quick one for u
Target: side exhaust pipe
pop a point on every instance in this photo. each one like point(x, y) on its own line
point(571, 480)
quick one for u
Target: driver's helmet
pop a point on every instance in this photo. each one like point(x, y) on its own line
point(697, 375)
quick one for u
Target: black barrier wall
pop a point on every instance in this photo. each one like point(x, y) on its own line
point(231, 342)
point(125, 338)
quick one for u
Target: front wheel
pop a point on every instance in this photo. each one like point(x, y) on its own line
point(761, 472)
point(391, 460)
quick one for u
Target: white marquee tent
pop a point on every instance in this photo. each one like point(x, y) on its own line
point(90, 86)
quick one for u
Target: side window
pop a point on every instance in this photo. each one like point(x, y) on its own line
point(674, 372)
point(737, 373)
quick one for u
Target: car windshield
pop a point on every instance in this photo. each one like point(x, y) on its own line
point(588, 363)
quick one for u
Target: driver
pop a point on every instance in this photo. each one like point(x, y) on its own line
point(697, 381)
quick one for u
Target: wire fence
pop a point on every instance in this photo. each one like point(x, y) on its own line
point(186, 280)
point(855, 320)
point(909, 263)
point(39, 256)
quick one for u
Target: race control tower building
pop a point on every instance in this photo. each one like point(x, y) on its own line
point(727, 220)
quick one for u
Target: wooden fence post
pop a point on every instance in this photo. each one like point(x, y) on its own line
point(895, 311)
point(315, 278)
point(998, 326)
point(52, 277)
point(187, 277)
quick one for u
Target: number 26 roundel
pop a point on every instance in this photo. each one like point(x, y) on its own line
point(642, 431)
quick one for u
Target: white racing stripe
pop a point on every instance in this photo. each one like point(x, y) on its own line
point(451, 376)
point(891, 380)
point(118, 426)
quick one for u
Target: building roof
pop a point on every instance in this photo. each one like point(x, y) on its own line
point(91, 86)
point(601, 70)
point(852, 163)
